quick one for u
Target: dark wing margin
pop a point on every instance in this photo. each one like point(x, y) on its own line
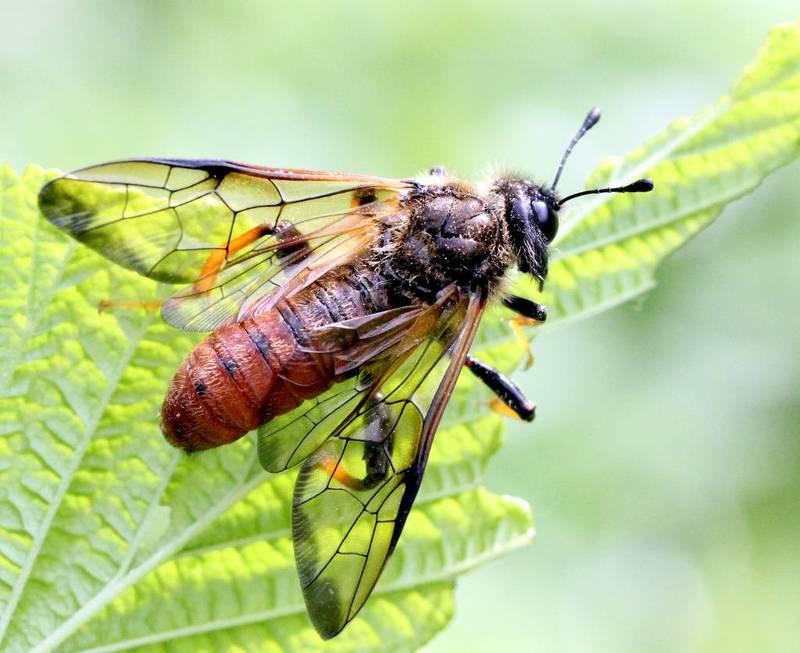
point(354, 493)
point(228, 229)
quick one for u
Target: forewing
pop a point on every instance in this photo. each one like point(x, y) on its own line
point(354, 493)
point(169, 219)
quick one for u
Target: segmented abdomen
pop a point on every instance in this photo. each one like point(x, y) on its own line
point(244, 374)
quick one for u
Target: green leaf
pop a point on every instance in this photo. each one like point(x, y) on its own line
point(110, 540)
point(99, 514)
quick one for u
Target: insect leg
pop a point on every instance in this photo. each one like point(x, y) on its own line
point(377, 445)
point(284, 232)
point(526, 308)
point(529, 314)
point(506, 390)
point(127, 304)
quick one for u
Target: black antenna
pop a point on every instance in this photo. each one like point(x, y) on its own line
point(638, 186)
point(591, 120)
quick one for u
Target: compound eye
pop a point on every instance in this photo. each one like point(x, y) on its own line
point(546, 219)
point(540, 212)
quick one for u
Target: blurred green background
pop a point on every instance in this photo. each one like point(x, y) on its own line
point(663, 465)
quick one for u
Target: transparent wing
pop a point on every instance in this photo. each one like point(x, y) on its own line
point(368, 347)
point(254, 281)
point(232, 231)
point(354, 493)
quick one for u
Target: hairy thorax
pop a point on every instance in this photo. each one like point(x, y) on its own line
point(449, 234)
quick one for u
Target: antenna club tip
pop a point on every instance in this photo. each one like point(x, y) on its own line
point(589, 122)
point(592, 117)
point(644, 185)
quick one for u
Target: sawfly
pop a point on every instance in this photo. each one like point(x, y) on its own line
point(341, 309)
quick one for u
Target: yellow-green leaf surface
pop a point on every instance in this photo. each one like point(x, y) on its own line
point(110, 540)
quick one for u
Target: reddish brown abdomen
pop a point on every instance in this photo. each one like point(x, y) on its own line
point(244, 374)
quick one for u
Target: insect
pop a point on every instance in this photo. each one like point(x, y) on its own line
point(341, 310)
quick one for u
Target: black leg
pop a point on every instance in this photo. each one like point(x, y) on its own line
point(377, 451)
point(378, 447)
point(525, 307)
point(505, 389)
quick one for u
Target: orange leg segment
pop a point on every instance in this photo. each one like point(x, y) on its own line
point(336, 471)
point(517, 325)
point(501, 408)
point(529, 314)
point(216, 260)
